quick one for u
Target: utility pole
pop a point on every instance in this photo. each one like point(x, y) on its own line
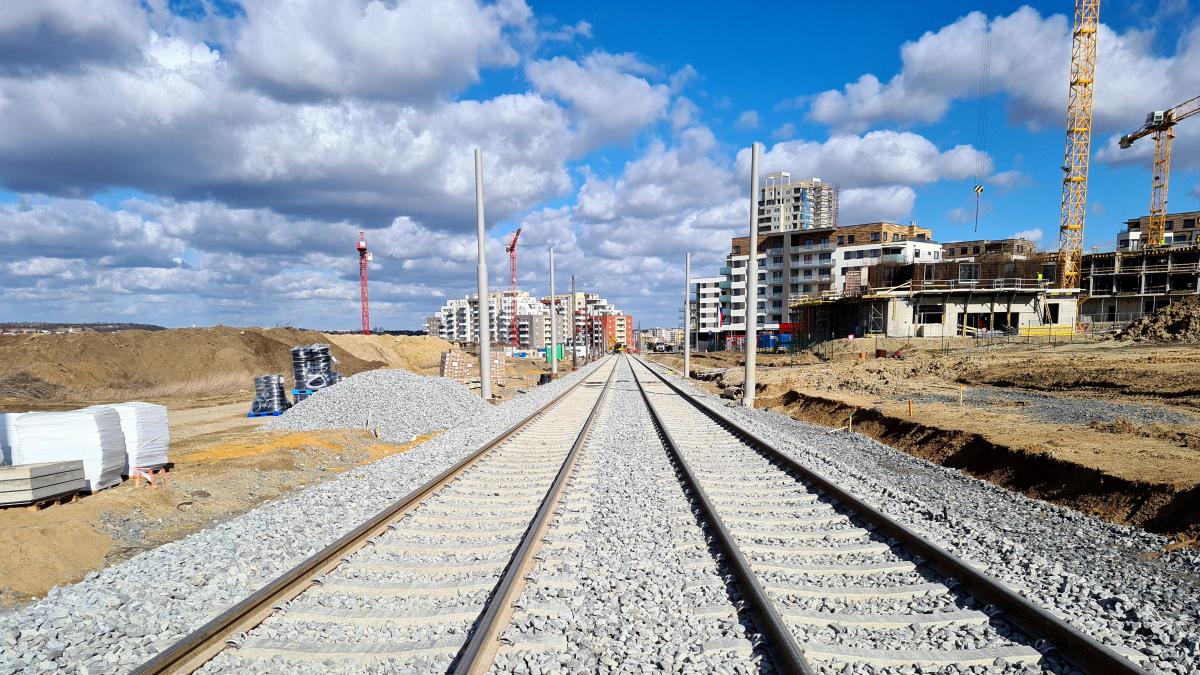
point(574, 330)
point(553, 323)
point(687, 314)
point(752, 285)
point(485, 319)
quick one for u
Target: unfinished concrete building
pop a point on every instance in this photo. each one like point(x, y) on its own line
point(1122, 286)
point(997, 293)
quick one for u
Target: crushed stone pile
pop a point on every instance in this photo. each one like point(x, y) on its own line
point(396, 404)
point(1177, 322)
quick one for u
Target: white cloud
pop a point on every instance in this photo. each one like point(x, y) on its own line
point(944, 65)
point(414, 51)
point(747, 120)
point(607, 94)
point(859, 205)
point(875, 159)
point(785, 132)
point(1034, 234)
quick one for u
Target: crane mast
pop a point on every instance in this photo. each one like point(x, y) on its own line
point(1160, 123)
point(514, 325)
point(364, 257)
point(1079, 142)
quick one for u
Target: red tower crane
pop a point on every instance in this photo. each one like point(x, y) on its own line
point(364, 256)
point(511, 247)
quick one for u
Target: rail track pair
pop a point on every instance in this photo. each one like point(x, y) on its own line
point(430, 582)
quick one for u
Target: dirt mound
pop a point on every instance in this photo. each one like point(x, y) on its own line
point(151, 364)
point(1177, 322)
point(418, 353)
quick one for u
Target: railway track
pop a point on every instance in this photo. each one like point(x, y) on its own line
point(830, 579)
point(427, 584)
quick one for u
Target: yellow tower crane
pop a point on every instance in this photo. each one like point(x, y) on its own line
point(1079, 142)
point(1161, 123)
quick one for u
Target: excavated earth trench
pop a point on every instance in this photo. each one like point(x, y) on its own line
point(1161, 508)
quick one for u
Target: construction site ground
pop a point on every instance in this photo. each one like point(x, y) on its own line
point(222, 465)
point(1107, 428)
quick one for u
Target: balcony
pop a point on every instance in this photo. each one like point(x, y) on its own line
point(899, 258)
point(724, 284)
point(724, 271)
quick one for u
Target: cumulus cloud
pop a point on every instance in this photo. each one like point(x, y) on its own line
point(46, 36)
point(747, 120)
point(944, 65)
point(1034, 234)
point(414, 51)
point(875, 159)
point(608, 94)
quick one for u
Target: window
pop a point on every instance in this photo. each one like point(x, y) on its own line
point(807, 273)
point(795, 257)
point(808, 257)
point(776, 304)
point(808, 288)
point(976, 249)
point(848, 255)
point(859, 254)
point(841, 240)
point(927, 314)
point(776, 275)
point(1189, 223)
point(968, 271)
point(826, 257)
point(850, 239)
point(777, 259)
point(874, 236)
point(874, 253)
point(762, 276)
point(794, 288)
point(1170, 225)
point(916, 253)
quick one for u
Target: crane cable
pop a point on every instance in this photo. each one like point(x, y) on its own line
point(984, 94)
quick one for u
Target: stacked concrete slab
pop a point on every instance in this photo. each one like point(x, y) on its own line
point(464, 368)
point(30, 483)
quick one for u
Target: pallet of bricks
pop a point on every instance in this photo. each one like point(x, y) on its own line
point(464, 368)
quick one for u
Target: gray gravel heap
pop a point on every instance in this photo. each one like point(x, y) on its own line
point(643, 568)
point(1110, 581)
point(396, 404)
point(117, 618)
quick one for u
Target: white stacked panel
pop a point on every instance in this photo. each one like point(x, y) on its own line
point(8, 436)
point(93, 435)
point(146, 435)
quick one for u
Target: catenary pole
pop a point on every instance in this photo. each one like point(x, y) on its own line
point(752, 285)
point(485, 319)
point(574, 330)
point(553, 322)
point(687, 314)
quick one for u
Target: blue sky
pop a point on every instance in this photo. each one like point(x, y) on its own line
point(212, 162)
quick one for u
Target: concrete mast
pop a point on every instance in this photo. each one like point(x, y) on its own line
point(574, 332)
point(752, 285)
point(485, 320)
point(687, 314)
point(553, 353)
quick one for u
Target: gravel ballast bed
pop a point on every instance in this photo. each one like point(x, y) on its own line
point(639, 587)
point(117, 618)
point(1112, 582)
point(416, 405)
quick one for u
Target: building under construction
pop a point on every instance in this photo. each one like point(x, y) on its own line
point(986, 293)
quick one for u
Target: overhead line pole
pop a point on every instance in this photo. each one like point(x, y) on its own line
point(553, 323)
point(485, 320)
point(574, 330)
point(687, 314)
point(752, 285)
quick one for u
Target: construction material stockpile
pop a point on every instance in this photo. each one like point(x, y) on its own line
point(1177, 322)
point(312, 368)
point(270, 395)
point(464, 368)
point(394, 404)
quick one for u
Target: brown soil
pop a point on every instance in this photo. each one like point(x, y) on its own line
point(420, 354)
point(1134, 473)
point(1177, 322)
point(221, 469)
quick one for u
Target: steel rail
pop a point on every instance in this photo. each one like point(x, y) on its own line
point(201, 645)
point(479, 652)
point(1080, 649)
point(786, 654)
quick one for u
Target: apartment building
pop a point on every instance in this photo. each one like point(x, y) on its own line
point(881, 232)
point(1180, 229)
point(786, 204)
point(851, 262)
point(791, 263)
point(458, 320)
point(611, 331)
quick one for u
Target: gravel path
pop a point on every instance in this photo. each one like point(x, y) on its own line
point(1059, 409)
point(117, 618)
point(647, 594)
point(1110, 581)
